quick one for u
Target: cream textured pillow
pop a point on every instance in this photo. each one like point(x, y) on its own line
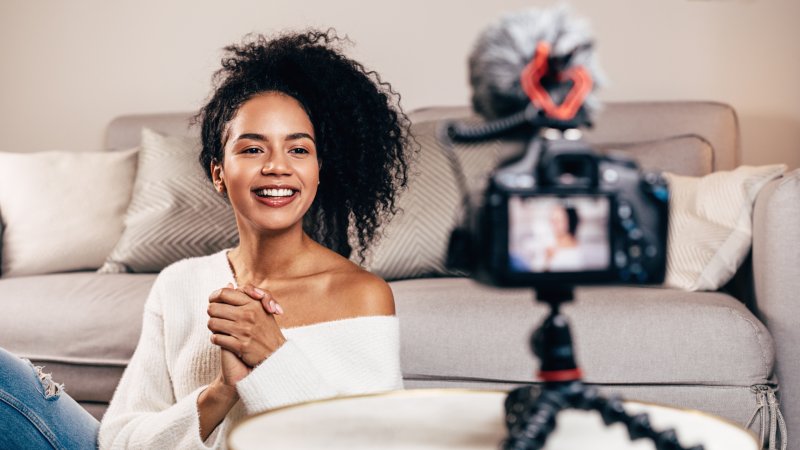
point(62, 211)
point(174, 213)
point(710, 226)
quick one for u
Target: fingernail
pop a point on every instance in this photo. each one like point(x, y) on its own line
point(216, 293)
point(260, 292)
point(278, 308)
point(272, 306)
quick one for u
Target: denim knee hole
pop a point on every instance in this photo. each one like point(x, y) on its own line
point(50, 389)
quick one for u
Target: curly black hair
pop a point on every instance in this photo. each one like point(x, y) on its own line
point(362, 133)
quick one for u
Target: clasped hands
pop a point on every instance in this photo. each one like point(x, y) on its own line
point(243, 323)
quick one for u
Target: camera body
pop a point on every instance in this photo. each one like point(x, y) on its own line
point(563, 214)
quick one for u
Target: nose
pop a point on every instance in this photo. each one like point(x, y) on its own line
point(276, 163)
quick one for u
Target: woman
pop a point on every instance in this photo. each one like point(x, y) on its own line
point(564, 254)
point(308, 148)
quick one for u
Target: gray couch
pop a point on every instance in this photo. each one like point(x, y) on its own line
point(724, 352)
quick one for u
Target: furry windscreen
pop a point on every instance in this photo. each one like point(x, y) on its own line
point(507, 46)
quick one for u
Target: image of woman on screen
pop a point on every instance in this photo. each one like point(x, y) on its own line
point(558, 234)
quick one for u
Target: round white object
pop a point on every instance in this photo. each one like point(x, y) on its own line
point(438, 419)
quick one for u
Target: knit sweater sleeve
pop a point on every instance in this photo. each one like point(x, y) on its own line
point(144, 413)
point(353, 356)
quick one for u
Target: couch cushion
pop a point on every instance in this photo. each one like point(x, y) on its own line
point(688, 155)
point(452, 329)
point(623, 123)
point(714, 122)
point(455, 328)
point(83, 327)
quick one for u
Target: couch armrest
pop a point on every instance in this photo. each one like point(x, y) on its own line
point(776, 271)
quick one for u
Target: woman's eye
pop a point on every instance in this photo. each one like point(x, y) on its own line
point(298, 151)
point(251, 150)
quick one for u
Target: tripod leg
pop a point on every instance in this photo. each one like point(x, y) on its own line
point(531, 417)
point(638, 425)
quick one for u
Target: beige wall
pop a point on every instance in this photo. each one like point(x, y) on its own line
point(68, 67)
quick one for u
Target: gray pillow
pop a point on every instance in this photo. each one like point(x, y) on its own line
point(174, 212)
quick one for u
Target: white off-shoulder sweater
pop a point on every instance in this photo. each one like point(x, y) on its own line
point(155, 404)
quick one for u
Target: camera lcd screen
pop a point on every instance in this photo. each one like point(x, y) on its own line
point(550, 233)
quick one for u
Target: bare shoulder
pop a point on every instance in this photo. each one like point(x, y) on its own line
point(367, 294)
point(359, 292)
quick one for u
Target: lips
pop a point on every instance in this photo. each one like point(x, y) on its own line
point(276, 196)
point(274, 192)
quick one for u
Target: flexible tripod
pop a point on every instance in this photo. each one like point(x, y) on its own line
point(531, 416)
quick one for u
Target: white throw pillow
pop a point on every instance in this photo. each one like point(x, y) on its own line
point(710, 228)
point(62, 211)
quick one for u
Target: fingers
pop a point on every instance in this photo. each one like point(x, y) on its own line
point(271, 306)
point(267, 300)
point(251, 333)
point(229, 343)
point(254, 292)
point(222, 311)
point(222, 326)
point(230, 296)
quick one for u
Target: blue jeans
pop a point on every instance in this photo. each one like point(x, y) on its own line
point(36, 413)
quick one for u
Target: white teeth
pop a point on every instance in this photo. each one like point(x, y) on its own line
point(274, 192)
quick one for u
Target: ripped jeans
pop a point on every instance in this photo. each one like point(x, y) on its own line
point(35, 413)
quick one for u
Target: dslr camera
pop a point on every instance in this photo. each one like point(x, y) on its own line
point(559, 213)
point(562, 214)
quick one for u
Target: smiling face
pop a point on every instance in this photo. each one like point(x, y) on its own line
point(270, 169)
point(559, 221)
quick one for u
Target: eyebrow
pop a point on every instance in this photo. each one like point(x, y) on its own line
point(263, 138)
